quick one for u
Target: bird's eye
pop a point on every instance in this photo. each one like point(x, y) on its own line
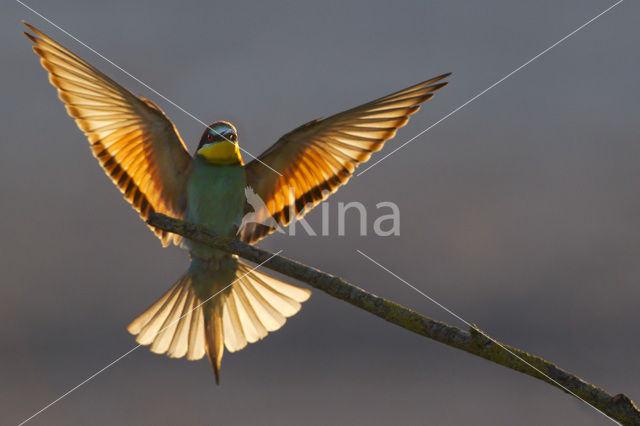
point(232, 137)
point(209, 137)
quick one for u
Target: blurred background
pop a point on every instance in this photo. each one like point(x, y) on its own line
point(519, 213)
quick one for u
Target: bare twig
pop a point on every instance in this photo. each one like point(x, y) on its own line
point(618, 407)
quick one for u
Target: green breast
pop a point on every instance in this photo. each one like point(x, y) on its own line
point(215, 196)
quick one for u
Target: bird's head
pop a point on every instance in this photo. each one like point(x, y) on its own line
point(219, 144)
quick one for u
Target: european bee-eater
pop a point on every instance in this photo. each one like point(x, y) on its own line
point(220, 300)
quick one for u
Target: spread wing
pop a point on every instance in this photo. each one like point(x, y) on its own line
point(135, 143)
point(318, 157)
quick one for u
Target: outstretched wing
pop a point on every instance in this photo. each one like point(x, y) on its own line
point(318, 157)
point(135, 143)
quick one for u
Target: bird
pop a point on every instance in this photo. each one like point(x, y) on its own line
point(220, 301)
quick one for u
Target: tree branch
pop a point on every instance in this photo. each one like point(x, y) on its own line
point(474, 341)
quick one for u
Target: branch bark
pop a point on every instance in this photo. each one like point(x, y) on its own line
point(473, 341)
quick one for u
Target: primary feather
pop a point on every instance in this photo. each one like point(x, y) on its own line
point(135, 143)
point(315, 159)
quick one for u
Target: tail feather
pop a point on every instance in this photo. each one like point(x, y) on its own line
point(179, 324)
point(180, 343)
point(234, 337)
point(142, 320)
point(257, 304)
point(253, 328)
point(214, 338)
point(165, 336)
point(150, 330)
point(197, 343)
point(174, 324)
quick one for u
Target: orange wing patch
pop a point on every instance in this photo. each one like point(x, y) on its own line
point(135, 143)
point(318, 157)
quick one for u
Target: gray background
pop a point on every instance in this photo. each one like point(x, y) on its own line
point(520, 212)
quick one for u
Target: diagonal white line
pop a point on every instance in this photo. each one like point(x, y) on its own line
point(485, 335)
point(88, 379)
point(79, 384)
point(143, 83)
point(492, 86)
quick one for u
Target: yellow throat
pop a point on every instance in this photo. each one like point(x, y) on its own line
point(222, 153)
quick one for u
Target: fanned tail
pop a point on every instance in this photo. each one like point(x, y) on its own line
point(174, 324)
point(180, 324)
point(256, 304)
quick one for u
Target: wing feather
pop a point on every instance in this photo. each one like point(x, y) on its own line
point(317, 158)
point(135, 143)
